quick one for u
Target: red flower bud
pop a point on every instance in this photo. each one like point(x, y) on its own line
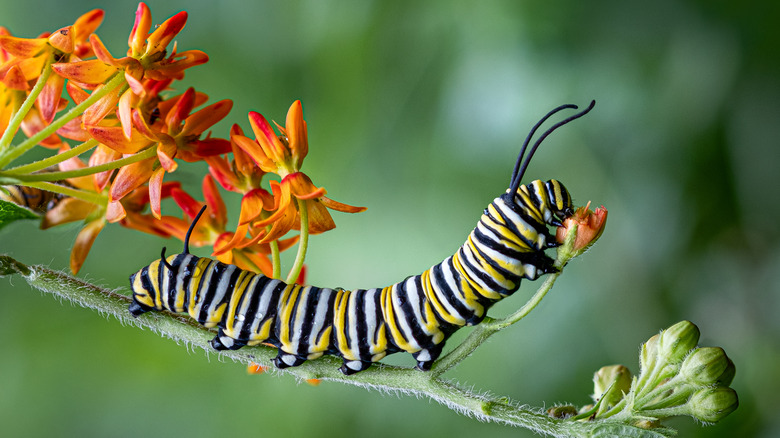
point(590, 225)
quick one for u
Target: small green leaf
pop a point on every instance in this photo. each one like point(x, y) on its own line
point(10, 212)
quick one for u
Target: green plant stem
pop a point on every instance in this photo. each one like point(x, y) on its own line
point(303, 243)
point(21, 113)
point(54, 159)
point(8, 155)
point(111, 165)
point(275, 258)
point(91, 197)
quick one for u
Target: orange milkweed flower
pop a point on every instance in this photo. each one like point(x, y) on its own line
point(23, 59)
point(211, 230)
point(178, 134)
point(283, 155)
point(147, 55)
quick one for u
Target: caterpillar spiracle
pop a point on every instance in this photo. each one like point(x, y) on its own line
point(416, 315)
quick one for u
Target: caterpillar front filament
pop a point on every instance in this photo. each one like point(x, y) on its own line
point(416, 315)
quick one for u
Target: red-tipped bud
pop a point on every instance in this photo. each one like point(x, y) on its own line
point(590, 225)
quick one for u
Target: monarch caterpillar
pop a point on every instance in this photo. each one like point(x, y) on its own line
point(416, 315)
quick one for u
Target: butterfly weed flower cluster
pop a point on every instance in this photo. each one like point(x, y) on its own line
point(118, 131)
point(118, 128)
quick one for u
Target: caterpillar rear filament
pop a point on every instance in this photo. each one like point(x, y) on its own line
point(362, 326)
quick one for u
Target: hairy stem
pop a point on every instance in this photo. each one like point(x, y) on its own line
point(54, 159)
point(111, 165)
point(381, 377)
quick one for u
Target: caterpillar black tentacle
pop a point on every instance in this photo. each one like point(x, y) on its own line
point(416, 315)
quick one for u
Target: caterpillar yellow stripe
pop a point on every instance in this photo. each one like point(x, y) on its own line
point(416, 315)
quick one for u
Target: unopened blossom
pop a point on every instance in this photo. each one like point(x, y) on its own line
point(590, 225)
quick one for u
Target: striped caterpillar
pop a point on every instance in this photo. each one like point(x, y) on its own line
point(362, 326)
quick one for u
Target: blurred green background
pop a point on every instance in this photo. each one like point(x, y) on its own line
point(416, 110)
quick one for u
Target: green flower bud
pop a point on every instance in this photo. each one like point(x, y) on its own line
point(707, 366)
point(611, 382)
point(649, 355)
point(676, 341)
point(727, 377)
point(713, 404)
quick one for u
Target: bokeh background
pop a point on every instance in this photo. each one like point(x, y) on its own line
point(417, 111)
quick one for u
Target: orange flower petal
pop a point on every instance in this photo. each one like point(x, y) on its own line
point(338, 206)
point(15, 80)
point(130, 177)
point(49, 99)
point(220, 169)
point(267, 138)
point(73, 130)
point(162, 36)
point(180, 111)
point(251, 261)
point(93, 71)
point(255, 152)
point(206, 118)
point(115, 212)
point(86, 24)
point(234, 241)
point(67, 210)
point(187, 203)
point(295, 127)
point(166, 151)
point(143, 22)
point(33, 123)
point(103, 107)
point(302, 187)
point(125, 112)
point(283, 225)
point(84, 242)
point(23, 47)
point(102, 155)
point(214, 201)
point(319, 218)
point(155, 192)
point(184, 60)
point(199, 149)
point(101, 52)
point(62, 39)
point(76, 93)
point(252, 205)
point(114, 137)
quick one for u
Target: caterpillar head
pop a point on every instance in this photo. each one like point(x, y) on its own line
point(560, 203)
point(145, 284)
point(551, 197)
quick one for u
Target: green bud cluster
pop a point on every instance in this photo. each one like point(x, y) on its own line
point(676, 378)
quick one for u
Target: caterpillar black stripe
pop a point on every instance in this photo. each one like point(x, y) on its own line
point(416, 315)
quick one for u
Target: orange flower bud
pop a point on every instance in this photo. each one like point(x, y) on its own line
point(590, 225)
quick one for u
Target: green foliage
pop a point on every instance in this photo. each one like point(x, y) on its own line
point(10, 212)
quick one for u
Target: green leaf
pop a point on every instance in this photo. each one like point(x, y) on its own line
point(10, 212)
